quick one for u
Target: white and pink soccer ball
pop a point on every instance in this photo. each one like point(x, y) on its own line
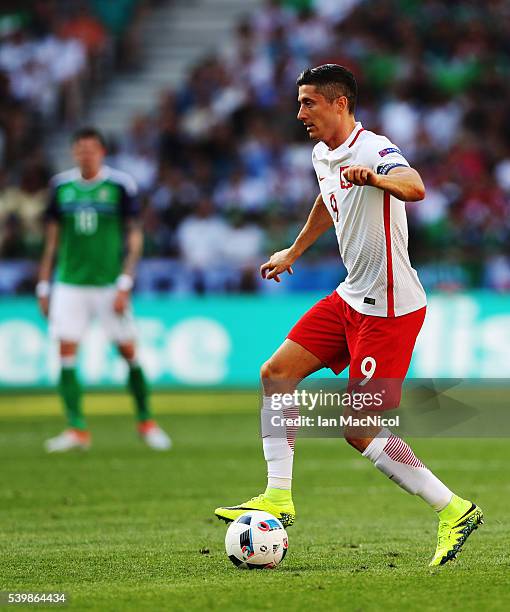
point(256, 540)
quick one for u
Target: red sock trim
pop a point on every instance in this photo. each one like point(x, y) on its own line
point(145, 426)
point(82, 434)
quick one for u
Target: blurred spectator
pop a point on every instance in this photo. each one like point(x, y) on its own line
point(497, 272)
point(242, 249)
point(137, 153)
point(201, 237)
point(27, 203)
point(224, 166)
point(122, 19)
point(13, 243)
point(244, 241)
point(84, 27)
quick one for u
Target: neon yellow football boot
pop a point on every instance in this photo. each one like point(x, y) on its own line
point(277, 502)
point(456, 523)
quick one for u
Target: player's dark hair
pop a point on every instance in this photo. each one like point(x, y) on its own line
point(89, 132)
point(332, 81)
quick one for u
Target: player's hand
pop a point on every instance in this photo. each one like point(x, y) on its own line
point(44, 305)
point(360, 175)
point(279, 262)
point(121, 301)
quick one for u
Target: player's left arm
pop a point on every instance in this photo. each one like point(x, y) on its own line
point(134, 248)
point(401, 181)
point(130, 212)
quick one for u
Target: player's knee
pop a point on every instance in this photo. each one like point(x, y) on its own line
point(68, 349)
point(271, 370)
point(127, 351)
point(276, 371)
point(275, 377)
point(355, 441)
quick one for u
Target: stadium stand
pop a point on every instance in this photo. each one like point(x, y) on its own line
point(221, 154)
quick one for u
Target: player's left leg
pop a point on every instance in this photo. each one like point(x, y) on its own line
point(388, 344)
point(150, 432)
point(121, 330)
point(137, 383)
point(458, 517)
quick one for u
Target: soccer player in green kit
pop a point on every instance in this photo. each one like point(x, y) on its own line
point(92, 215)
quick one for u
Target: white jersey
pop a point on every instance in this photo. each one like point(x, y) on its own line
point(371, 227)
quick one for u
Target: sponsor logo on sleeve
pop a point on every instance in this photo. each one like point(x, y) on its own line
point(390, 150)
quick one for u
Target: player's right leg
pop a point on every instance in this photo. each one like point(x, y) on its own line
point(149, 430)
point(317, 340)
point(69, 315)
point(76, 436)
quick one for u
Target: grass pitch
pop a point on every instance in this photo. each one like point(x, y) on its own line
point(125, 528)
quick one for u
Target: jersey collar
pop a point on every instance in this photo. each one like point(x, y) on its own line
point(358, 128)
point(100, 177)
point(351, 139)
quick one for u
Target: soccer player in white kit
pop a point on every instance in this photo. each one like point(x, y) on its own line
point(371, 321)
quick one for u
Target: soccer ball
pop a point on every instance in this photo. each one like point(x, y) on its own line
point(256, 540)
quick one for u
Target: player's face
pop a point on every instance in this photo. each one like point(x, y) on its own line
point(319, 116)
point(88, 153)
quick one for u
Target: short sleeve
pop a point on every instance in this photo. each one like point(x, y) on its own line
point(314, 160)
point(52, 211)
point(317, 153)
point(383, 155)
point(129, 205)
point(129, 201)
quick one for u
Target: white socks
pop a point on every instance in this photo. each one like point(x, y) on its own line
point(395, 458)
point(278, 445)
point(69, 361)
point(388, 453)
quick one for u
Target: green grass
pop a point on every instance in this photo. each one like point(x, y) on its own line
point(124, 528)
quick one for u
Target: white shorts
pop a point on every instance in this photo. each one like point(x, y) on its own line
point(74, 307)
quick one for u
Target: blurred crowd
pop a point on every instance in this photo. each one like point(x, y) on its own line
point(224, 167)
point(55, 56)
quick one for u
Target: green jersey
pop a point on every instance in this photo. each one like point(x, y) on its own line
point(91, 216)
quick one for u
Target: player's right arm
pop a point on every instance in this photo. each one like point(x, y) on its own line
point(46, 266)
point(319, 220)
